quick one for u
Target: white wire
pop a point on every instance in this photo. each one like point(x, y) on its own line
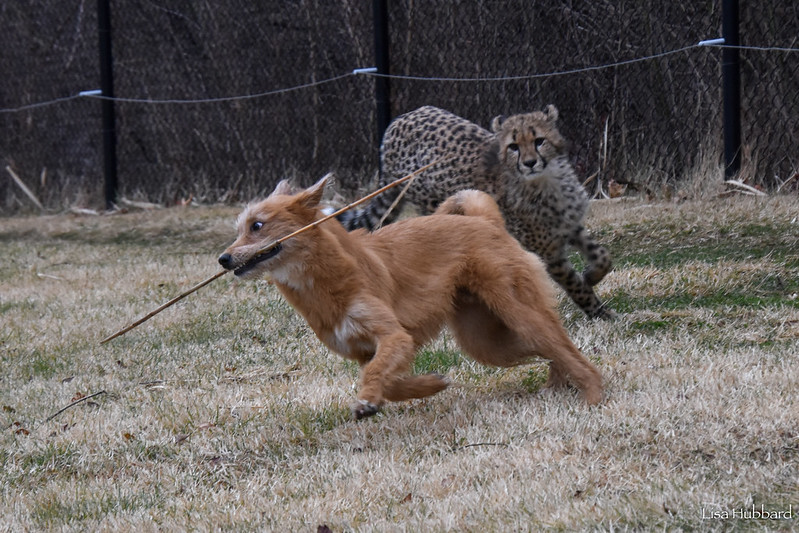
point(222, 98)
point(91, 94)
point(368, 72)
point(40, 104)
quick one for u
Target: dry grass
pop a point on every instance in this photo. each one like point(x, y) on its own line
point(225, 412)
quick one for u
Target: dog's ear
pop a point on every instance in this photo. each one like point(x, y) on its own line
point(284, 187)
point(310, 197)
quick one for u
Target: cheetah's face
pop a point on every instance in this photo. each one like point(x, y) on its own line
point(529, 143)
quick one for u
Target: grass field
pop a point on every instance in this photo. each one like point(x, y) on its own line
point(224, 413)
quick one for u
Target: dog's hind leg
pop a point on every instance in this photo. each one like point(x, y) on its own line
point(546, 336)
point(512, 332)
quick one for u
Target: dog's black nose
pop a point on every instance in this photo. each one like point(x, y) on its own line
point(225, 260)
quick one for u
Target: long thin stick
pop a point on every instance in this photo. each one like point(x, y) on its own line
point(171, 302)
point(266, 249)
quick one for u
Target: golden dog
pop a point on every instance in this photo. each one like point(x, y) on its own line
point(378, 297)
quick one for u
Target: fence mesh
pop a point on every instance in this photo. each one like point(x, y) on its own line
point(648, 121)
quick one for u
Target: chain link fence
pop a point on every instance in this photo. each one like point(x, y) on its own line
point(644, 122)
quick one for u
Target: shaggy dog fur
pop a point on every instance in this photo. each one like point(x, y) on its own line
point(378, 297)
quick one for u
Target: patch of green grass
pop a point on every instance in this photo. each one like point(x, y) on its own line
point(536, 378)
point(667, 244)
point(41, 365)
point(651, 326)
point(310, 423)
point(624, 302)
point(55, 510)
point(13, 305)
point(50, 458)
point(430, 361)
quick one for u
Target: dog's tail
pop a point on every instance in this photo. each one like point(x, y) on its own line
point(472, 203)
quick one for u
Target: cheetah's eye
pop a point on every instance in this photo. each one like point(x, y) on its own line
point(539, 141)
point(256, 226)
point(514, 147)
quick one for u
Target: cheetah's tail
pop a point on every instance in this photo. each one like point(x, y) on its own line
point(379, 212)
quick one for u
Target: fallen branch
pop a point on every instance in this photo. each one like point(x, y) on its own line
point(787, 182)
point(140, 205)
point(76, 402)
point(267, 249)
point(743, 188)
point(24, 188)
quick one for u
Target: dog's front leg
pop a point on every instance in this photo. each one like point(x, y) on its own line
point(392, 358)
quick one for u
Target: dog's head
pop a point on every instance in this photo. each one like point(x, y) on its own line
point(263, 223)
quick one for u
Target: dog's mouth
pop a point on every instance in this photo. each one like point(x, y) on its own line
point(260, 257)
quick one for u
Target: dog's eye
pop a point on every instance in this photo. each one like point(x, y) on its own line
point(256, 226)
point(514, 147)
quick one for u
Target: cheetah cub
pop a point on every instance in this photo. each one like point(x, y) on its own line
point(522, 163)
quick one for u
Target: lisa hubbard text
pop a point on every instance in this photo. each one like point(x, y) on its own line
point(747, 514)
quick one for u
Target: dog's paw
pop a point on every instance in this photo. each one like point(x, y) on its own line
point(363, 409)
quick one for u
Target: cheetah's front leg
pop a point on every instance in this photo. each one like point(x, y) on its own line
point(562, 271)
point(597, 258)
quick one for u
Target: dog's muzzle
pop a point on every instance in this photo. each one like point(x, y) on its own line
point(226, 260)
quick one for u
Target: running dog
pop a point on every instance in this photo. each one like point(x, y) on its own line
point(378, 297)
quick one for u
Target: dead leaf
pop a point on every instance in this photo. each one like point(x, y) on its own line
point(616, 189)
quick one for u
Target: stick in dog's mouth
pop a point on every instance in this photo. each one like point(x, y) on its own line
point(259, 257)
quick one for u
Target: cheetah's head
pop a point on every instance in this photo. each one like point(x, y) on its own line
point(530, 144)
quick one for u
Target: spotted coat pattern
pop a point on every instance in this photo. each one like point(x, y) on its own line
point(522, 163)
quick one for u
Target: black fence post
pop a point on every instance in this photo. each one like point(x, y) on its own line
point(107, 86)
point(731, 80)
point(382, 88)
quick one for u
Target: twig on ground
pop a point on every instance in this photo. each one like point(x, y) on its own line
point(459, 448)
point(83, 211)
point(743, 188)
point(140, 205)
point(76, 402)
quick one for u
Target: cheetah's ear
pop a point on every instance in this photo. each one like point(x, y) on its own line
point(496, 124)
point(551, 112)
point(284, 187)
